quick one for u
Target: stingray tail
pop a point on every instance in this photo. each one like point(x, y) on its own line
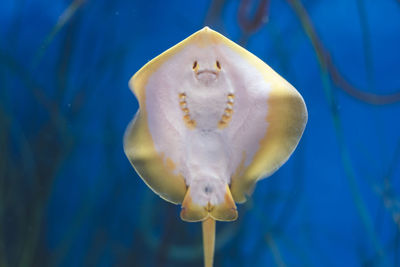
point(208, 226)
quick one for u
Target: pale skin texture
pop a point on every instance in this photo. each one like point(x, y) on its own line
point(213, 120)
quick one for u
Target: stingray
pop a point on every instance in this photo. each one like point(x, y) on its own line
point(213, 119)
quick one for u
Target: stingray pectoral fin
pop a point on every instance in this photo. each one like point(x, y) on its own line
point(286, 119)
point(156, 170)
point(192, 212)
point(269, 117)
point(225, 211)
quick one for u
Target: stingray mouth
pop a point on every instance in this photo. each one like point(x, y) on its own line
point(200, 72)
point(206, 76)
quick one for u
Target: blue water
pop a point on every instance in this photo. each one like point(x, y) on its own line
point(69, 197)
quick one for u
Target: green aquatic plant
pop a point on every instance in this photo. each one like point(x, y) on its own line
point(213, 119)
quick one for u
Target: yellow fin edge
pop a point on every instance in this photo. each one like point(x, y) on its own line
point(225, 211)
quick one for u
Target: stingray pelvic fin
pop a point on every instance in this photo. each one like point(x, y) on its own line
point(192, 212)
point(224, 211)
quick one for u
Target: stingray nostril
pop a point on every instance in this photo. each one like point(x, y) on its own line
point(218, 65)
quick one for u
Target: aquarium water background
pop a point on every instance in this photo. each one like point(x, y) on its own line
point(69, 196)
